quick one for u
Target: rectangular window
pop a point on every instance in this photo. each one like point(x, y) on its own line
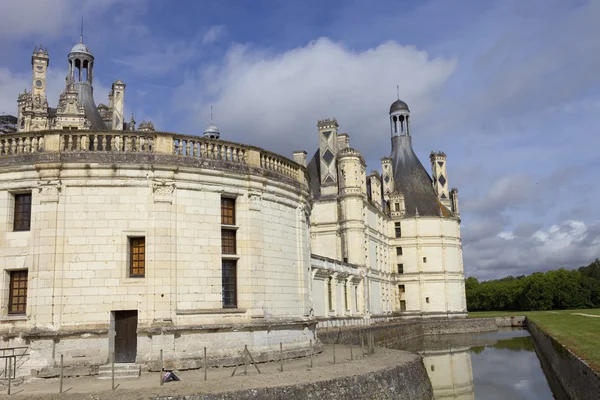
point(397, 207)
point(427, 300)
point(137, 257)
point(400, 268)
point(22, 220)
point(346, 297)
point(398, 251)
point(17, 300)
point(227, 211)
point(401, 289)
point(402, 305)
point(425, 259)
point(228, 241)
point(398, 229)
point(329, 295)
point(229, 281)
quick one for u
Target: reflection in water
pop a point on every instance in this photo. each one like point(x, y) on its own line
point(491, 366)
point(450, 373)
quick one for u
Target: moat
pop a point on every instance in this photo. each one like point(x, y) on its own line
point(487, 366)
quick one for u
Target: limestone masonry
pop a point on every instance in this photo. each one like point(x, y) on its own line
point(118, 243)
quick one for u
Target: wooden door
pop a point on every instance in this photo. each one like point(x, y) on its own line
point(125, 336)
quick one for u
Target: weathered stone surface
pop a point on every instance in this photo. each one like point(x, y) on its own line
point(406, 381)
point(408, 330)
point(576, 377)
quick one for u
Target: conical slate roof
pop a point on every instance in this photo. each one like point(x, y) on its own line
point(411, 179)
point(86, 98)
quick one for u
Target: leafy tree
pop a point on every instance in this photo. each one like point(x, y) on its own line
point(552, 290)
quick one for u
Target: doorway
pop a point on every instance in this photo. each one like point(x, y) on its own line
point(125, 336)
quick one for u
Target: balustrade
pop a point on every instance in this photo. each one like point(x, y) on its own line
point(154, 142)
point(212, 149)
point(99, 141)
point(11, 145)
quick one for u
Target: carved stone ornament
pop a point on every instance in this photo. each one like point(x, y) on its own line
point(255, 200)
point(163, 192)
point(49, 193)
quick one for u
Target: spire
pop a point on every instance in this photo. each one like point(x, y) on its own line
point(398, 92)
point(211, 130)
point(81, 37)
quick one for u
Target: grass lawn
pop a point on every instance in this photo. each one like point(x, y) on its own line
point(578, 333)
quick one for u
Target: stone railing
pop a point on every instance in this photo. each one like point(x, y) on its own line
point(149, 142)
point(109, 141)
point(15, 144)
point(194, 146)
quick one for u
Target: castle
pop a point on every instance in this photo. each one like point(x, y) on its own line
point(119, 243)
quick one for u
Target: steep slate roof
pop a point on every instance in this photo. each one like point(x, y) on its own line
point(314, 172)
point(86, 98)
point(411, 179)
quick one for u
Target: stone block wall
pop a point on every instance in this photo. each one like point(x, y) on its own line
point(576, 377)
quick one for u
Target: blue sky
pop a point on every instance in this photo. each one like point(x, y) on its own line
point(508, 89)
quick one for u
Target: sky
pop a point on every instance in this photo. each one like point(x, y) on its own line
point(508, 89)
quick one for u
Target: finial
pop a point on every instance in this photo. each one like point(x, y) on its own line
point(211, 120)
point(81, 38)
point(398, 91)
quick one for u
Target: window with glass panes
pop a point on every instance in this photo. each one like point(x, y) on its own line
point(398, 229)
point(227, 241)
point(22, 221)
point(17, 300)
point(227, 211)
point(229, 281)
point(137, 257)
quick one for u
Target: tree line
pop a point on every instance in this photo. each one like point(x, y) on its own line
point(553, 290)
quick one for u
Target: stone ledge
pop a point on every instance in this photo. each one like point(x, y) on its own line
point(405, 379)
point(201, 311)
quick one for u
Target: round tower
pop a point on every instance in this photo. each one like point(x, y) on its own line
point(352, 192)
point(211, 131)
point(81, 63)
point(81, 75)
point(399, 119)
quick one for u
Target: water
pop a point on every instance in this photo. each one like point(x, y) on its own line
point(491, 366)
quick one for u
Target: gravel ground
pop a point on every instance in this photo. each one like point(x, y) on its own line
point(219, 380)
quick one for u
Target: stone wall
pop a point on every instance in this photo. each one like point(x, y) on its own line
point(407, 381)
point(519, 321)
point(578, 380)
point(406, 330)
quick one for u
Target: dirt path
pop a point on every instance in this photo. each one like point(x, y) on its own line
point(219, 380)
point(586, 315)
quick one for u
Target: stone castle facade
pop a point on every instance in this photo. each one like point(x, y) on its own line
point(118, 243)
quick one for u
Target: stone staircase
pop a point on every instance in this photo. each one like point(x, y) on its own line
point(122, 371)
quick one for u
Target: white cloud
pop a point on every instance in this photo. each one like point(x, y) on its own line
point(213, 34)
point(569, 244)
point(275, 100)
point(48, 18)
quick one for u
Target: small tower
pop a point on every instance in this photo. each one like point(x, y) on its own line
point(328, 143)
point(440, 177)
point(81, 64)
point(117, 100)
point(39, 66)
point(454, 199)
point(387, 177)
point(399, 118)
point(352, 183)
point(211, 131)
